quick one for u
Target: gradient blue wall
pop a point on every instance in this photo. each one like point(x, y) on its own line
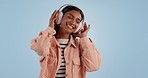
point(119, 29)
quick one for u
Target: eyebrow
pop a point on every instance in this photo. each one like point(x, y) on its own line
point(73, 16)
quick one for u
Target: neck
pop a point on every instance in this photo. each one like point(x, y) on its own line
point(62, 35)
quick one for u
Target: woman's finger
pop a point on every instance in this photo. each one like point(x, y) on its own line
point(56, 13)
point(57, 16)
point(86, 30)
point(52, 15)
point(85, 26)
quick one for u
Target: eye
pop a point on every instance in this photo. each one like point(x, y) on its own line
point(70, 17)
point(77, 21)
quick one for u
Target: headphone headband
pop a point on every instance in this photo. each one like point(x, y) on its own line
point(63, 6)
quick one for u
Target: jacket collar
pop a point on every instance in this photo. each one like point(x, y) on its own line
point(71, 42)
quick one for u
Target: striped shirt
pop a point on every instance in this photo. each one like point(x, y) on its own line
point(62, 70)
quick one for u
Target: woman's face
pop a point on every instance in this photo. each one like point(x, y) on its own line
point(70, 21)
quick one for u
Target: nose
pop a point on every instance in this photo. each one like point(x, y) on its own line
point(73, 21)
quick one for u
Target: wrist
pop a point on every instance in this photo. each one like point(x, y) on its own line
point(83, 36)
point(50, 26)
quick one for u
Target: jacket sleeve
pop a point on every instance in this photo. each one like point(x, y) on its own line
point(41, 44)
point(90, 56)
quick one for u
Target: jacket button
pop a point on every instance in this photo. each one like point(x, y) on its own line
point(67, 74)
point(67, 63)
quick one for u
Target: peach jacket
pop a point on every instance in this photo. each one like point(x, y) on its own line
point(80, 55)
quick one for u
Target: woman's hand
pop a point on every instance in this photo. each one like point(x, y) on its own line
point(54, 18)
point(83, 31)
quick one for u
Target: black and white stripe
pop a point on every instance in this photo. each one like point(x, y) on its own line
point(62, 70)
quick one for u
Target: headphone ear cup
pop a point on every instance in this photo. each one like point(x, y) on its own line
point(79, 27)
point(60, 18)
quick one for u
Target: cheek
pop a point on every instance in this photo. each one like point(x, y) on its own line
point(64, 21)
point(79, 25)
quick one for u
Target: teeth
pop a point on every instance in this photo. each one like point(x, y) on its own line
point(70, 27)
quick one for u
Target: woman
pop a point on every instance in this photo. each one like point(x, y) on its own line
point(64, 49)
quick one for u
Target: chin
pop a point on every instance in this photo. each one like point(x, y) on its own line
point(69, 31)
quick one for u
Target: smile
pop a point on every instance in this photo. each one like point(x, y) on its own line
point(70, 27)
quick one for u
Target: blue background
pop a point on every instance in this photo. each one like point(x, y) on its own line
point(119, 29)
